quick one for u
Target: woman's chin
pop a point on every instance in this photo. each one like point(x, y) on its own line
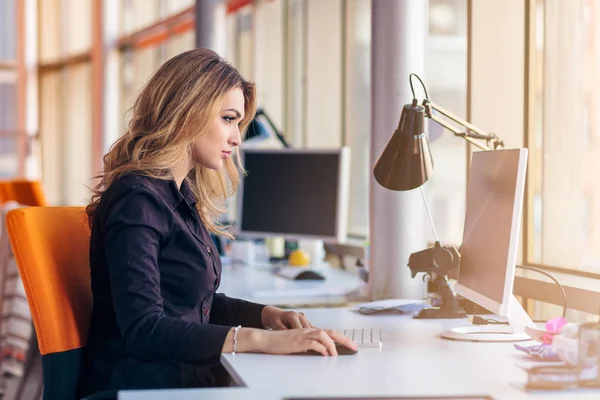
point(217, 165)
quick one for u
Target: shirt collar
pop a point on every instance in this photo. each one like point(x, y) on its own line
point(187, 192)
point(179, 195)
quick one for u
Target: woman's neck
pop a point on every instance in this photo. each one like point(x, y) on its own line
point(179, 175)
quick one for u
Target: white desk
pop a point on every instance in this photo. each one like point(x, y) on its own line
point(412, 362)
point(260, 285)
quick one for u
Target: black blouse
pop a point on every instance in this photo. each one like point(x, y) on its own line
point(155, 272)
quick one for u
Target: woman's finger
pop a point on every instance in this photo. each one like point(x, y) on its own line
point(305, 322)
point(341, 339)
point(327, 341)
point(278, 325)
point(318, 347)
point(293, 321)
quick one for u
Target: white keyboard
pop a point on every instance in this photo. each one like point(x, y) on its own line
point(365, 337)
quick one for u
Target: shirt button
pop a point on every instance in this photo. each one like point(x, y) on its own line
point(205, 311)
point(208, 249)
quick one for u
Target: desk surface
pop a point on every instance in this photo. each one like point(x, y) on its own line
point(413, 361)
point(260, 285)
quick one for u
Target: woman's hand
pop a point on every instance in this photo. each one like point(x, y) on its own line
point(278, 319)
point(302, 340)
point(250, 340)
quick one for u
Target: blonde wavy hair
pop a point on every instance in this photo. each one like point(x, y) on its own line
point(175, 107)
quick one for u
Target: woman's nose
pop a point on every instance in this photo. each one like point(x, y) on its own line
point(236, 138)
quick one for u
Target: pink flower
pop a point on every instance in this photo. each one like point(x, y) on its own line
point(553, 326)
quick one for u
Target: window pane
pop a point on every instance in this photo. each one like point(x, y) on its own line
point(51, 112)
point(50, 30)
point(8, 124)
point(175, 6)
point(7, 30)
point(296, 72)
point(268, 59)
point(137, 67)
point(179, 43)
point(324, 63)
point(564, 171)
point(357, 112)
point(66, 134)
point(8, 100)
point(77, 143)
point(446, 81)
point(78, 26)
point(138, 14)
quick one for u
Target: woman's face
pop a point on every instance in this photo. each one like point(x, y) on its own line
point(212, 149)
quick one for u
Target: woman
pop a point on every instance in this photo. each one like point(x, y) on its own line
point(157, 321)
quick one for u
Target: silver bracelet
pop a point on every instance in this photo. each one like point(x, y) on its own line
point(235, 332)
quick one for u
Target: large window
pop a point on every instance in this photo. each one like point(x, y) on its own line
point(65, 91)
point(318, 52)
point(150, 33)
point(565, 140)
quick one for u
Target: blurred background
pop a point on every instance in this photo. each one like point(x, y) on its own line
point(527, 70)
point(71, 69)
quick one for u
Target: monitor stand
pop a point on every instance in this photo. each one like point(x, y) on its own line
point(514, 331)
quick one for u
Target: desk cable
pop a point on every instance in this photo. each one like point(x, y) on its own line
point(486, 321)
point(562, 289)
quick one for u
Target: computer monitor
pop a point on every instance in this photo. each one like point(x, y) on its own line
point(490, 244)
point(294, 193)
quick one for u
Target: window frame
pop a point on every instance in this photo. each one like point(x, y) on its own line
point(19, 68)
point(579, 285)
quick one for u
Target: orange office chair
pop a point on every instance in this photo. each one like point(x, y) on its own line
point(6, 192)
point(51, 246)
point(28, 193)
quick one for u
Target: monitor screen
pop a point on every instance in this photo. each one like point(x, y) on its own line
point(492, 221)
point(294, 193)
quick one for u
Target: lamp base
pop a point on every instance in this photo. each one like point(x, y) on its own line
point(438, 313)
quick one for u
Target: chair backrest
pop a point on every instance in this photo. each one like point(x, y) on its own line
point(51, 247)
point(6, 192)
point(28, 193)
point(16, 324)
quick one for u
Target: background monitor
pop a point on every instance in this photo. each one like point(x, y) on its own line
point(490, 243)
point(294, 193)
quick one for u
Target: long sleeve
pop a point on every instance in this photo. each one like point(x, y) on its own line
point(134, 232)
point(230, 311)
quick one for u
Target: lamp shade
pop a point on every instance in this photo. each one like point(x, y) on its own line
point(406, 162)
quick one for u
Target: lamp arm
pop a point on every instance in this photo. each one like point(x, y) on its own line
point(278, 134)
point(471, 134)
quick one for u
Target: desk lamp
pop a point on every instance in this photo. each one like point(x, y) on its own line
point(406, 164)
point(257, 128)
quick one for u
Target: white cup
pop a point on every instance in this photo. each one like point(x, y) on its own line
point(315, 248)
point(243, 252)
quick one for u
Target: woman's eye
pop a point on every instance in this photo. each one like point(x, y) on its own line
point(228, 119)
